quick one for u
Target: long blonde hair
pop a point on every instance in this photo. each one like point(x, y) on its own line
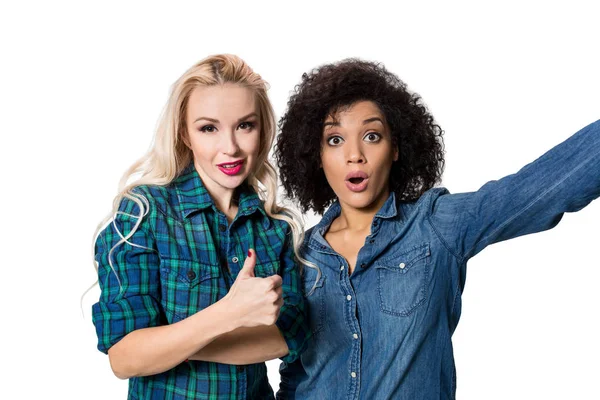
point(169, 156)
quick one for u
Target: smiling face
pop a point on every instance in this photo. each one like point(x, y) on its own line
point(357, 154)
point(223, 132)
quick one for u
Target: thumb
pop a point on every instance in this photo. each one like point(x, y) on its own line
point(247, 270)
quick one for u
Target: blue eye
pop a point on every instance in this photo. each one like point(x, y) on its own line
point(334, 141)
point(208, 129)
point(372, 137)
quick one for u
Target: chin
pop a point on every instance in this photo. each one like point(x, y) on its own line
point(358, 200)
point(233, 182)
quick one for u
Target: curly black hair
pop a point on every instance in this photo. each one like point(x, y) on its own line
point(328, 89)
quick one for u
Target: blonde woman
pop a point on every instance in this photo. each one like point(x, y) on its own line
point(199, 284)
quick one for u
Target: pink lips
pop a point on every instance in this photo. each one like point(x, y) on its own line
point(357, 181)
point(231, 168)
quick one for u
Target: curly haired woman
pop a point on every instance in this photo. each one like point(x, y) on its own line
point(390, 253)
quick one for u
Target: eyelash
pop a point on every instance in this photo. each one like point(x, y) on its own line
point(206, 128)
point(373, 133)
point(329, 139)
point(250, 126)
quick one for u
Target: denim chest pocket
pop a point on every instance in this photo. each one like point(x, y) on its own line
point(314, 292)
point(187, 287)
point(402, 280)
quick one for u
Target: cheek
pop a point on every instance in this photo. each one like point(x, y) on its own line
point(202, 151)
point(250, 144)
point(332, 166)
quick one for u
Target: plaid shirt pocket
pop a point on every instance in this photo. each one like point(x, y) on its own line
point(187, 287)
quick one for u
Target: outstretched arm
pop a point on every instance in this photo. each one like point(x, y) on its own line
point(565, 179)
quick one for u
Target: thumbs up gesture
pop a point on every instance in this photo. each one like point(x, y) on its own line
point(255, 301)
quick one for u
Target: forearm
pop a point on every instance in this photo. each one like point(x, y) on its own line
point(244, 346)
point(154, 350)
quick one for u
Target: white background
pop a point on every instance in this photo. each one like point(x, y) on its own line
point(81, 89)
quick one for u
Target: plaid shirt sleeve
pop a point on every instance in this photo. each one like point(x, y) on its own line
point(292, 321)
point(129, 297)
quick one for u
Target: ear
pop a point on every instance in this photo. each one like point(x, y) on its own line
point(396, 153)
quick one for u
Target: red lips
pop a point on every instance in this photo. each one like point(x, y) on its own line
point(231, 168)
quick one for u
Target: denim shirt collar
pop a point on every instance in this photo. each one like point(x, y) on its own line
point(193, 196)
point(389, 210)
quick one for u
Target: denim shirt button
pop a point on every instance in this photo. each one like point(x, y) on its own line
point(355, 336)
point(348, 297)
point(402, 265)
point(353, 374)
point(363, 265)
point(234, 260)
point(341, 267)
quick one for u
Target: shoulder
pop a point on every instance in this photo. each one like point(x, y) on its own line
point(154, 198)
point(426, 203)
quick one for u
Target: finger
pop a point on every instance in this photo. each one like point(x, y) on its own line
point(279, 303)
point(279, 291)
point(275, 281)
point(249, 264)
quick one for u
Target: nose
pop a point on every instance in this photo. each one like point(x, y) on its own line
point(354, 154)
point(230, 145)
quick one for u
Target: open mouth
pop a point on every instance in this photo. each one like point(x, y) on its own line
point(232, 165)
point(357, 181)
point(231, 168)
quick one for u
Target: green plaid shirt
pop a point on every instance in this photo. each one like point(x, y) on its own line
point(188, 259)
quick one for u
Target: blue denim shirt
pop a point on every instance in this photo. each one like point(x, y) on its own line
point(385, 331)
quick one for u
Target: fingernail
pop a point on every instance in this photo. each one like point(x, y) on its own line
point(249, 253)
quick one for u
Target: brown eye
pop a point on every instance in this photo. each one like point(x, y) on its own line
point(334, 140)
point(372, 137)
point(246, 125)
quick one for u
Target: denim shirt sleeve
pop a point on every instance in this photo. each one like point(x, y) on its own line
point(565, 179)
point(292, 321)
point(129, 296)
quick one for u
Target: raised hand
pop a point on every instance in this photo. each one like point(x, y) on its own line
point(255, 301)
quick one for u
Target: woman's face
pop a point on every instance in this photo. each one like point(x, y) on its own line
point(357, 155)
point(223, 132)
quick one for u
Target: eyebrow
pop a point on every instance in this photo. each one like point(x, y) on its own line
point(252, 114)
point(365, 122)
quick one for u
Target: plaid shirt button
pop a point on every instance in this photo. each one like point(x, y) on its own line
point(191, 274)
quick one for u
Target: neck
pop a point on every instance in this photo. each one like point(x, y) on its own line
point(359, 219)
point(226, 204)
point(223, 198)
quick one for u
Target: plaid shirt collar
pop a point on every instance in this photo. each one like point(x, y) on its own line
point(193, 196)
